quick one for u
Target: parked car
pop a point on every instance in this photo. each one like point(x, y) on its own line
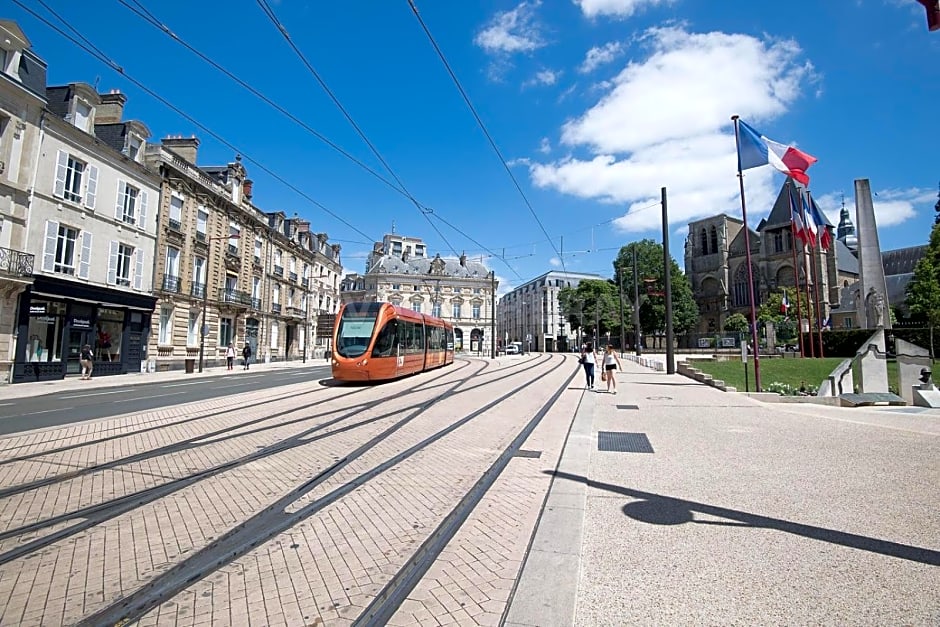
point(512, 349)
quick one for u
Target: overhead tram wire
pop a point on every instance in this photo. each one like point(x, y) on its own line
point(95, 52)
point(272, 16)
point(148, 16)
point(482, 126)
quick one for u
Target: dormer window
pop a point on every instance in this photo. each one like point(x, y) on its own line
point(132, 148)
point(82, 116)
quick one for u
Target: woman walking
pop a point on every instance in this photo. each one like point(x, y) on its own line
point(230, 356)
point(587, 360)
point(87, 361)
point(611, 365)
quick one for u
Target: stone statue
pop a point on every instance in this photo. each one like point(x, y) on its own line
point(876, 309)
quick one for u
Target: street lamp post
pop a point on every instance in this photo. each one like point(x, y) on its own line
point(522, 350)
point(204, 331)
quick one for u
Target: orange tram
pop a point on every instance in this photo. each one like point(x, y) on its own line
point(379, 341)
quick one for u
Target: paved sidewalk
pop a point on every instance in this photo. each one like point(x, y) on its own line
point(720, 509)
point(74, 382)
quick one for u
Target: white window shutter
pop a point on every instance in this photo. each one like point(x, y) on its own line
point(139, 269)
point(121, 192)
point(85, 264)
point(142, 218)
point(61, 169)
point(92, 190)
point(113, 263)
point(48, 253)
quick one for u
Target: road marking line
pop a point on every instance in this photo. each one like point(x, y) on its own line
point(94, 394)
point(45, 411)
point(234, 385)
point(5, 404)
point(143, 398)
point(176, 385)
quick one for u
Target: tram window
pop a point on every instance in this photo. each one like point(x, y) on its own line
point(353, 336)
point(387, 340)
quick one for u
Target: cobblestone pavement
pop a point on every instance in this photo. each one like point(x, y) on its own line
point(307, 506)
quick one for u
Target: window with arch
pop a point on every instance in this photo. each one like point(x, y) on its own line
point(714, 239)
point(704, 241)
point(740, 295)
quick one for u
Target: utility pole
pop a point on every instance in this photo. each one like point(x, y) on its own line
point(623, 335)
point(493, 312)
point(636, 306)
point(667, 287)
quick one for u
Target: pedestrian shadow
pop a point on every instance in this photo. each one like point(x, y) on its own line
point(656, 509)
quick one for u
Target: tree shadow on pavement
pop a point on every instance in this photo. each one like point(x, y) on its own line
point(656, 509)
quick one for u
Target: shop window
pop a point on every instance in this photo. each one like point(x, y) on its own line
point(44, 342)
point(192, 331)
point(110, 329)
point(226, 332)
point(166, 326)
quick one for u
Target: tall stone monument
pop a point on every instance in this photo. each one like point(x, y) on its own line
point(872, 309)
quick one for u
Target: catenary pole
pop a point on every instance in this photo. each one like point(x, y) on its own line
point(667, 288)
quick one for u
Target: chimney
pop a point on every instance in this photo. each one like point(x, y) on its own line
point(111, 108)
point(185, 147)
point(246, 188)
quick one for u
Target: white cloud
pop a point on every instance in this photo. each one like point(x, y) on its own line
point(512, 31)
point(892, 206)
point(555, 262)
point(665, 121)
point(545, 77)
point(545, 146)
point(616, 8)
point(599, 55)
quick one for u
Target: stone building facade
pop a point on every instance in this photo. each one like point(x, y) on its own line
point(22, 102)
point(231, 270)
point(532, 315)
point(459, 291)
point(715, 263)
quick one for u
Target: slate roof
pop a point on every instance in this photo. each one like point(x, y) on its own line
point(899, 269)
point(846, 261)
point(112, 134)
point(421, 266)
point(58, 98)
point(902, 260)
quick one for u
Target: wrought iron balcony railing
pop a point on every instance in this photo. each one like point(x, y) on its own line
point(15, 263)
point(200, 236)
point(276, 307)
point(175, 225)
point(279, 271)
point(305, 282)
point(198, 290)
point(236, 297)
point(293, 277)
point(255, 303)
point(232, 250)
point(171, 283)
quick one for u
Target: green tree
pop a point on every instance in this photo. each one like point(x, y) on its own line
point(736, 323)
point(591, 307)
point(923, 292)
point(650, 277)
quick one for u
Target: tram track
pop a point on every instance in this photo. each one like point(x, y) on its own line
point(277, 518)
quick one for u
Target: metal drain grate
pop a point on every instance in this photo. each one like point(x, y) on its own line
point(628, 407)
point(622, 442)
point(530, 454)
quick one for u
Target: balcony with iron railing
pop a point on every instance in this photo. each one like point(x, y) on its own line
point(279, 271)
point(292, 276)
point(15, 263)
point(305, 283)
point(200, 236)
point(232, 250)
point(234, 297)
point(255, 303)
point(276, 307)
point(198, 290)
point(296, 312)
point(171, 283)
point(175, 225)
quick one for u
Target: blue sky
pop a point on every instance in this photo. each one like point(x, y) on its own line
point(595, 105)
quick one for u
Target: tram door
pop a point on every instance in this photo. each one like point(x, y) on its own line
point(251, 337)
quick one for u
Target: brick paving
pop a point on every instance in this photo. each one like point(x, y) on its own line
point(323, 568)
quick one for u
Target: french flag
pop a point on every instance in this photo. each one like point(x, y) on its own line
point(798, 227)
point(825, 236)
point(784, 303)
point(755, 150)
point(811, 224)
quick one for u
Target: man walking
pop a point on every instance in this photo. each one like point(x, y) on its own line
point(246, 353)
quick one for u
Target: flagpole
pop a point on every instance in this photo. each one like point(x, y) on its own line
point(747, 249)
point(818, 244)
point(796, 273)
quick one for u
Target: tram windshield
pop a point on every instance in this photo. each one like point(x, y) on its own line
point(355, 330)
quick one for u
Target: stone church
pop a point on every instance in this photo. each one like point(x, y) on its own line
point(715, 263)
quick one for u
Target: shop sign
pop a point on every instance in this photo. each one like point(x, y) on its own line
point(37, 309)
point(80, 323)
point(44, 319)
